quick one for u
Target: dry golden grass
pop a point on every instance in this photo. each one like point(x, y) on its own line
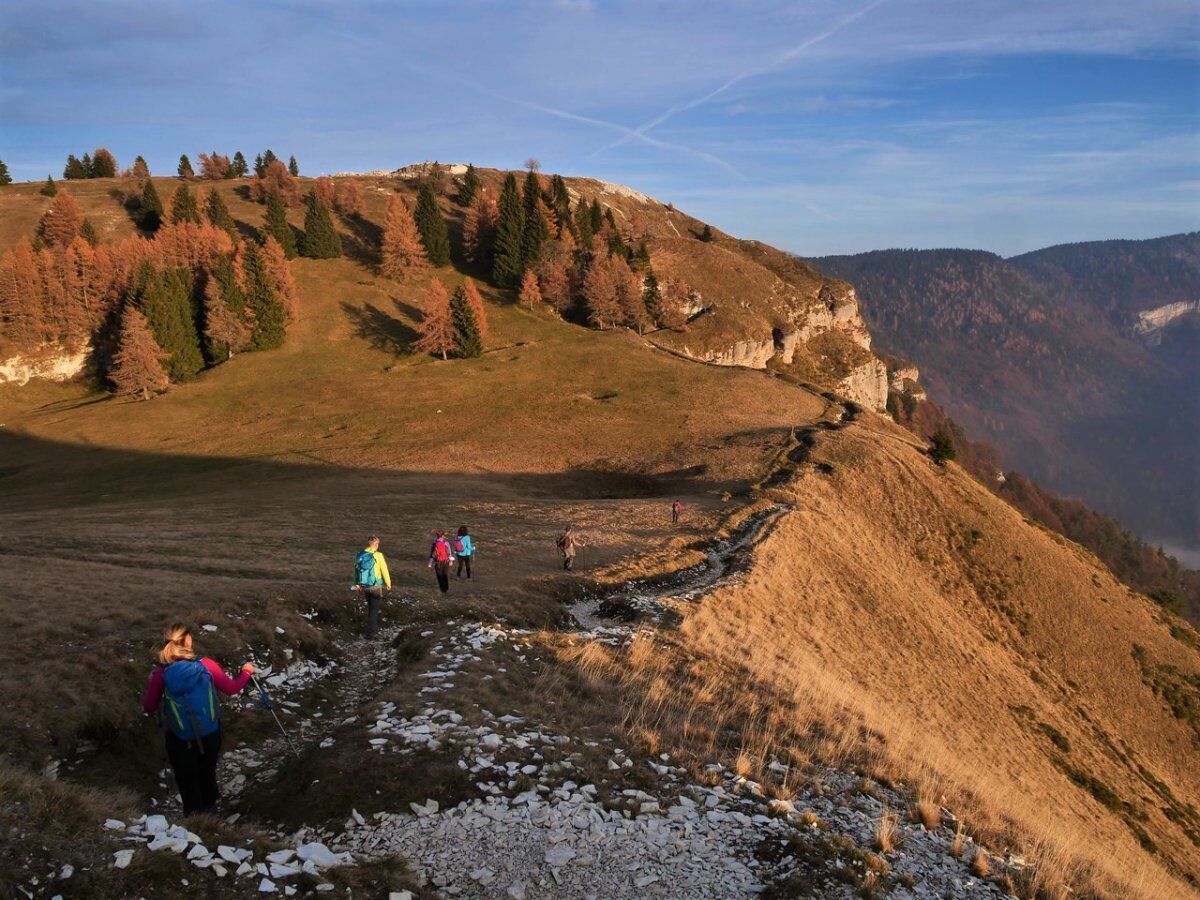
point(887, 832)
point(980, 867)
point(824, 647)
point(926, 810)
point(959, 841)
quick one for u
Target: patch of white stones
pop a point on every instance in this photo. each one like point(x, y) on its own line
point(156, 834)
point(540, 829)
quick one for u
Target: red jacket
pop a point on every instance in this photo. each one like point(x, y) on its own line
point(221, 682)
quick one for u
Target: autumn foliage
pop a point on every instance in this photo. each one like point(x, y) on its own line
point(138, 364)
point(275, 177)
point(436, 334)
point(60, 223)
point(401, 248)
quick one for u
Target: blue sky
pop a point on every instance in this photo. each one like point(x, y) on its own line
point(821, 127)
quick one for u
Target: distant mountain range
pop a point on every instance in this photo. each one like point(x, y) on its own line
point(1080, 362)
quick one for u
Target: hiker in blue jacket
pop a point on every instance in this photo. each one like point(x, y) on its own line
point(464, 549)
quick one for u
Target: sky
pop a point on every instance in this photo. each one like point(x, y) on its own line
point(820, 127)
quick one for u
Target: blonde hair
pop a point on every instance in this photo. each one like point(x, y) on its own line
point(176, 647)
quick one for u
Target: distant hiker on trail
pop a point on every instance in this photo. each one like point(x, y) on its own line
point(371, 576)
point(676, 512)
point(185, 688)
point(568, 544)
point(441, 555)
point(464, 549)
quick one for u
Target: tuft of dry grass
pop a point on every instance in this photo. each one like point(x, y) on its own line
point(980, 867)
point(887, 832)
point(959, 841)
point(743, 765)
point(925, 812)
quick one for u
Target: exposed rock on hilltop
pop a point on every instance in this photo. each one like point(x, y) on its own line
point(753, 305)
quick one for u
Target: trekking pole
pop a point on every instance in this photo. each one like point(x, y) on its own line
point(266, 701)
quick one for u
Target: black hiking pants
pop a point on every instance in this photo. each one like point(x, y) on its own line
point(196, 771)
point(374, 597)
point(442, 570)
point(464, 562)
point(568, 561)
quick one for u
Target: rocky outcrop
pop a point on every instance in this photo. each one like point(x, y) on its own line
point(867, 385)
point(836, 309)
point(53, 364)
point(1151, 322)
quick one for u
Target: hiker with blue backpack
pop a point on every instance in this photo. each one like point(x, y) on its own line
point(441, 557)
point(183, 690)
point(371, 576)
point(464, 549)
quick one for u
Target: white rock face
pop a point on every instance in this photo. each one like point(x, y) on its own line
point(867, 386)
point(55, 364)
point(1151, 322)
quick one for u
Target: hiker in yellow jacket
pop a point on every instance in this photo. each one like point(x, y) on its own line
point(371, 576)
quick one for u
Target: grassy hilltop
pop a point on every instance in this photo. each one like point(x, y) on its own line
point(898, 619)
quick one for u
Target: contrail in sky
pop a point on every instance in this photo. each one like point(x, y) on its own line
point(627, 133)
point(787, 56)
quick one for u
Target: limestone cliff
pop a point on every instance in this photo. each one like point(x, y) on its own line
point(1150, 323)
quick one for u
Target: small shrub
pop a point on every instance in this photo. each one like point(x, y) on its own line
point(942, 449)
point(1056, 737)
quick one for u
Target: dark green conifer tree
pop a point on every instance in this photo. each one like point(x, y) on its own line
point(469, 187)
point(275, 223)
point(641, 259)
point(238, 168)
point(596, 217)
point(183, 206)
point(321, 240)
point(152, 208)
point(265, 306)
point(86, 162)
point(74, 169)
point(5, 178)
point(104, 165)
point(268, 158)
point(49, 189)
point(432, 226)
point(87, 231)
point(467, 339)
point(652, 294)
point(259, 166)
point(706, 234)
point(185, 167)
point(537, 230)
point(507, 263)
point(293, 167)
point(583, 223)
point(217, 213)
point(165, 299)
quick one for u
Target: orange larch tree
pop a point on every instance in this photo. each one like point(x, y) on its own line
point(401, 247)
point(60, 223)
point(138, 364)
point(436, 328)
